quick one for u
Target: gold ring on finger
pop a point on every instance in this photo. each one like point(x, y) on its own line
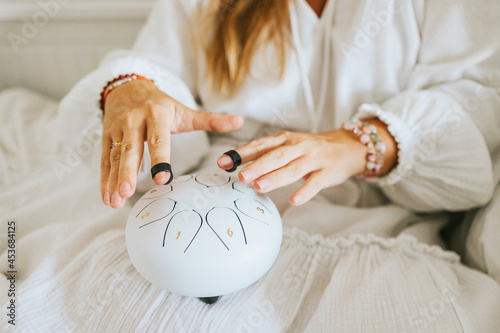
point(115, 144)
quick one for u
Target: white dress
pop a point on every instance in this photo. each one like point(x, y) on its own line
point(350, 261)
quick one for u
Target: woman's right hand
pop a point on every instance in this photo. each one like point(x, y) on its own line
point(136, 112)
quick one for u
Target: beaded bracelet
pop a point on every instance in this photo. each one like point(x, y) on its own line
point(108, 88)
point(368, 136)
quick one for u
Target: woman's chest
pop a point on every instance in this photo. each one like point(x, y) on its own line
point(363, 53)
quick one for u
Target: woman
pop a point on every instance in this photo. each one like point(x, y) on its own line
point(324, 63)
point(423, 74)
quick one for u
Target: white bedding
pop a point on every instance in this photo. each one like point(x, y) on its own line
point(74, 274)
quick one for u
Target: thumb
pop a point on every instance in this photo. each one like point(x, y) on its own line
point(186, 120)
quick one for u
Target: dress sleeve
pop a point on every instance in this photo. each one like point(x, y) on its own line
point(165, 51)
point(447, 121)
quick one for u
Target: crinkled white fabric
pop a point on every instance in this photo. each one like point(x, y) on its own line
point(357, 284)
point(17, 113)
point(349, 273)
point(476, 239)
point(428, 68)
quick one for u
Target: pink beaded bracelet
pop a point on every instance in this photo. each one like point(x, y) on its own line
point(368, 136)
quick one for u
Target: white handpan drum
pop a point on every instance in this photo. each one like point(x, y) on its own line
point(203, 235)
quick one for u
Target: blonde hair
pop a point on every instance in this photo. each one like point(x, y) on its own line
point(239, 28)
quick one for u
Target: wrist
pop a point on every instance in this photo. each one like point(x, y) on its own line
point(390, 156)
point(132, 95)
point(381, 148)
point(357, 151)
point(118, 82)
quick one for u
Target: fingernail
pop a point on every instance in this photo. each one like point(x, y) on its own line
point(105, 198)
point(125, 188)
point(170, 177)
point(161, 177)
point(247, 175)
point(224, 161)
point(115, 199)
point(262, 184)
point(296, 199)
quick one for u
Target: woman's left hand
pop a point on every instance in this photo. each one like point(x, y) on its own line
point(323, 160)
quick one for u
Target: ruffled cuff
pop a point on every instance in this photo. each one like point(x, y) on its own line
point(443, 160)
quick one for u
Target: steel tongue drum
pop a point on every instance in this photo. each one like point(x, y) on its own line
point(203, 235)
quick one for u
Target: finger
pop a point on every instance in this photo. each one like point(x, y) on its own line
point(254, 149)
point(311, 187)
point(232, 158)
point(105, 169)
point(273, 160)
point(284, 176)
point(187, 120)
point(132, 150)
point(115, 157)
point(159, 142)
